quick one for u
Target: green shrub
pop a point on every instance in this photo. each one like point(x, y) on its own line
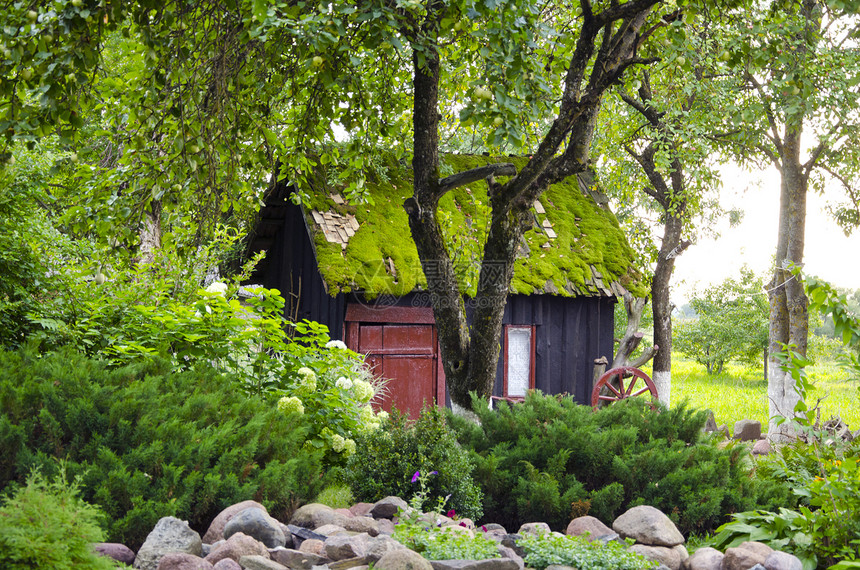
point(148, 443)
point(576, 551)
point(387, 459)
point(336, 496)
point(549, 459)
point(45, 524)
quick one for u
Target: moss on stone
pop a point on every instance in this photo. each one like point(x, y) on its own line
point(586, 236)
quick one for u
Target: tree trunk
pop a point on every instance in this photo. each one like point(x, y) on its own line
point(789, 317)
point(150, 233)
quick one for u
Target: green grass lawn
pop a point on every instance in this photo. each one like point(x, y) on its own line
point(741, 392)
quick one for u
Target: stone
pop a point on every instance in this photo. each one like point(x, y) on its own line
point(328, 530)
point(116, 551)
point(534, 528)
point(404, 559)
point(216, 528)
point(388, 507)
point(511, 540)
point(648, 525)
point(227, 564)
point(169, 535)
point(314, 515)
point(759, 548)
point(747, 430)
point(724, 430)
point(300, 534)
point(509, 553)
point(741, 559)
point(362, 524)
point(182, 561)
point(295, 559)
point(559, 567)
point(313, 546)
point(361, 509)
point(342, 547)
point(345, 512)
point(777, 560)
point(495, 526)
point(385, 526)
point(256, 562)
point(346, 564)
point(669, 557)
point(237, 546)
point(705, 558)
point(489, 564)
point(256, 523)
point(589, 527)
point(711, 423)
point(379, 546)
point(682, 552)
point(761, 447)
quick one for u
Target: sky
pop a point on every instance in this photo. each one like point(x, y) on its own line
point(829, 254)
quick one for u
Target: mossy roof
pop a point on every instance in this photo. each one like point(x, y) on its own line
point(589, 255)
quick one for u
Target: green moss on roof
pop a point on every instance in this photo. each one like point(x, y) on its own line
point(587, 236)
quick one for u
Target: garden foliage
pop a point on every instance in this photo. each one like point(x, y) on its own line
point(148, 442)
point(550, 459)
point(387, 459)
point(45, 524)
point(578, 552)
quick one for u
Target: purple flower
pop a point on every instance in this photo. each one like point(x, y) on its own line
point(463, 524)
point(483, 528)
point(416, 476)
point(434, 473)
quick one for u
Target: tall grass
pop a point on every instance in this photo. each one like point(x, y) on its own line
point(740, 392)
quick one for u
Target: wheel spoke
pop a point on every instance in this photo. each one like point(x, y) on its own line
point(614, 389)
point(633, 380)
point(607, 398)
point(640, 392)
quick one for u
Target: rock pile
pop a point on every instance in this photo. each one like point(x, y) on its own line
point(317, 537)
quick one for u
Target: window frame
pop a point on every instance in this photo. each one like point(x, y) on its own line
point(531, 329)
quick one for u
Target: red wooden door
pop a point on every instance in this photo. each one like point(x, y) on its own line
point(404, 353)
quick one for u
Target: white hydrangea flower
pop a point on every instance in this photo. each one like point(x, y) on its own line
point(343, 383)
point(291, 405)
point(338, 443)
point(348, 447)
point(382, 416)
point(366, 416)
point(305, 372)
point(363, 390)
point(335, 344)
point(217, 287)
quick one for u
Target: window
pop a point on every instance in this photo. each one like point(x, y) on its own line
point(519, 360)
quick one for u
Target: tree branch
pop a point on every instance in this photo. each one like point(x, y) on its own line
point(466, 177)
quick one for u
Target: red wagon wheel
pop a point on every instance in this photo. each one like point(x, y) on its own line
point(606, 391)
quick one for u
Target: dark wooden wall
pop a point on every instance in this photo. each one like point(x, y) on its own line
point(292, 269)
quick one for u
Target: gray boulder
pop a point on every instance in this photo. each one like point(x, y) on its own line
point(295, 559)
point(314, 515)
point(741, 559)
point(759, 548)
point(777, 560)
point(666, 556)
point(361, 509)
point(761, 447)
point(226, 564)
point(705, 558)
point(116, 551)
point(362, 524)
point(256, 523)
point(588, 526)
point(534, 528)
point(328, 530)
point(489, 564)
point(748, 430)
point(256, 562)
point(313, 546)
point(509, 553)
point(237, 546)
point(379, 546)
point(388, 507)
point(182, 561)
point(169, 535)
point(216, 528)
point(404, 559)
point(648, 525)
point(341, 547)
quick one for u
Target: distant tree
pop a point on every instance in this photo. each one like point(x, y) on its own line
point(731, 323)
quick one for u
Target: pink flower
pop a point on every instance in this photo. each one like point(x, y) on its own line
point(452, 513)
